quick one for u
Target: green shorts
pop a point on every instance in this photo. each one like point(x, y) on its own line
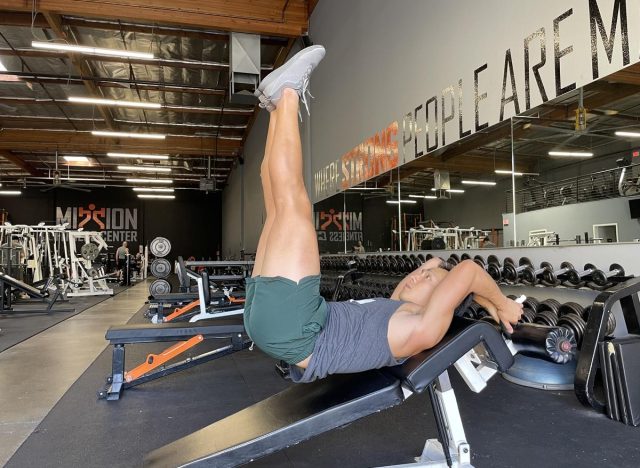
point(284, 317)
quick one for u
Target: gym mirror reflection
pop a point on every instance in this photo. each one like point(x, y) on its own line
point(580, 160)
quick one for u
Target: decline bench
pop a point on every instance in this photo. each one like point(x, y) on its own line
point(186, 336)
point(306, 410)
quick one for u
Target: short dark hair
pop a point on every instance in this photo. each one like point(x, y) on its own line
point(486, 238)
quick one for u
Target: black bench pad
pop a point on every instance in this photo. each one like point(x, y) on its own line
point(222, 327)
point(17, 284)
point(287, 418)
point(463, 334)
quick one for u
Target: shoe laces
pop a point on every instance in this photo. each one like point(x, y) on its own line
point(304, 90)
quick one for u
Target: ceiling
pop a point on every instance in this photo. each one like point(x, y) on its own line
point(188, 76)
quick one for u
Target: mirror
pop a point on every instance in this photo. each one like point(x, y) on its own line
point(581, 160)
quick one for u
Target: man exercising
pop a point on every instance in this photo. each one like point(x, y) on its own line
point(284, 312)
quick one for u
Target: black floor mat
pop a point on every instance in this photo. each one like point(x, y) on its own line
point(506, 425)
point(17, 327)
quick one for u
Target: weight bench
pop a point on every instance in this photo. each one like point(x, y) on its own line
point(305, 410)
point(187, 335)
point(7, 283)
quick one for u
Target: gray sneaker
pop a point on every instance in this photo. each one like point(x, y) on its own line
point(294, 74)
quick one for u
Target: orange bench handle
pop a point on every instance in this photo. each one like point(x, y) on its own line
point(182, 310)
point(156, 360)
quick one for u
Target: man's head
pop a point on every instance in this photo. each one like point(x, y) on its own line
point(421, 284)
point(125, 244)
point(486, 239)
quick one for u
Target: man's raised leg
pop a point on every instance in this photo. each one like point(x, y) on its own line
point(268, 198)
point(291, 250)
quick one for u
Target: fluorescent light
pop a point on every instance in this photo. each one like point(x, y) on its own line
point(2, 67)
point(144, 168)
point(478, 182)
point(150, 136)
point(90, 50)
point(577, 154)
point(628, 134)
point(396, 202)
point(366, 188)
point(501, 171)
point(451, 190)
point(151, 189)
point(138, 156)
point(75, 158)
point(150, 181)
point(114, 102)
point(169, 197)
point(423, 196)
point(10, 192)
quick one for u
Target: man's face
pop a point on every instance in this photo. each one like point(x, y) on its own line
point(420, 285)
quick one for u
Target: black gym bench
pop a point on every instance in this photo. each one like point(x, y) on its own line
point(305, 410)
point(187, 335)
point(9, 285)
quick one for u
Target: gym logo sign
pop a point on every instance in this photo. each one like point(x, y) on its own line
point(333, 226)
point(118, 224)
point(374, 156)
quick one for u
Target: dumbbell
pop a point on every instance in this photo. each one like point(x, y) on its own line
point(455, 259)
point(601, 278)
point(511, 272)
point(576, 277)
point(465, 256)
point(553, 276)
point(556, 344)
point(530, 275)
point(547, 313)
point(611, 321)
point(479, 259)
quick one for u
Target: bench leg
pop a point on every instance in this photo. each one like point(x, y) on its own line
point(115, 381)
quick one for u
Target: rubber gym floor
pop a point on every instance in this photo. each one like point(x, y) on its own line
point(50, 416)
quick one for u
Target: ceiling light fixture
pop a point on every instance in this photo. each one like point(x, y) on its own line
point(139, 156)
point(10, 192)
point(576, 154)
point(478, 182)
point(2, 67)
point(150, 181)
point(114, 102)
point(76, 158)
point(396, 202)
point(502, 171)
point(151, 189)
point(628, 134)
point(168, 197)
point(90, 50)
point(144, 168)
point(366, 188)
point(149, 136)
point(433, 197)
point(452, 190)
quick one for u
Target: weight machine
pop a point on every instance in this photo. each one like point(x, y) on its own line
point(86, 278)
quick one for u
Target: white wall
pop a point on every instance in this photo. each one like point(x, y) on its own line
point(571, 220)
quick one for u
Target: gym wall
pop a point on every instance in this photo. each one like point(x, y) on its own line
point(385, 60)
point(189, 221)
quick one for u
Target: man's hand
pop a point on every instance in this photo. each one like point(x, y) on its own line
point(507, 313)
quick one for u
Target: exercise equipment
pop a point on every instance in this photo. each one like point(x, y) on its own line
point(511, 272)
point(10, 285)
point(186, 335)
point(303, 411)
point(159, 287)
point(532, 275)
point(601, 278)
point(553, 277)
point(577, 277)
point(160, 268)
point(160, 246)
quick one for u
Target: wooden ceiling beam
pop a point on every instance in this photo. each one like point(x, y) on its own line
point(55, 140)
point(13, 18)
point(267, 17)
point(20, 163)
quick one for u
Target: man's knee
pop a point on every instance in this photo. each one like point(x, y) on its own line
point(292, 203)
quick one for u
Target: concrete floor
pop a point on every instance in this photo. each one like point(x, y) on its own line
point(55, 359)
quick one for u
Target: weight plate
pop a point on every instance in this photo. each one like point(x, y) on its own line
point(160, 268)
point(89, 251)
point(160, 247)
point(159, 286)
